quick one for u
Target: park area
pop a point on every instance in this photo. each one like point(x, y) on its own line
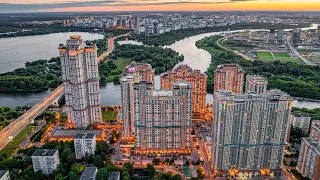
point(285, 57)
point(109, 115)
point(276, 56)
point(265, 56)
point(121, 63)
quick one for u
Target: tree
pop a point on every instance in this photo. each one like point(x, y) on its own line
point(59, 177)
point(167, 161)
point(77, 168)
point(151, 170)
point(187, 163)
point(129, 167)
point(171, 161)
point(176, 177)
point(63, 118)
point(102, 148)
point(98, 161)
point(89, 158)
point(102, 173)
point(200, 173)
point(72, 176)
point(156, 161)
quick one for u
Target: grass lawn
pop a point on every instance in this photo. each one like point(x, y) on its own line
point(278, 54)
point(265, 56)
point(285, 57)
point(13, 145)
point(121, 63)
point(109, 115)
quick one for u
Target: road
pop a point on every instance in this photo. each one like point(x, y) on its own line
point(289, 175)
point(293, 49)
point(206, 164)
point(110, 46)
point(27, 142)
point(230, 50)
point(16, 126)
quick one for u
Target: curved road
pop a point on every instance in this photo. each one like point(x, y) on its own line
point(16, 126)
point(234, 51)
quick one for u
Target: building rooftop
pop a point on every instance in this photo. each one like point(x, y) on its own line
point(162, 93)
point(312, 143)
point(182, 83)
point(84, 136)
point(316, 124)
point(220, 67)
point(2, 173)
point(73, 132)
point(272, 95)
point(299, 114)
point(114, 175)
point(88, 173)
point(45, 152)
point(256, 78)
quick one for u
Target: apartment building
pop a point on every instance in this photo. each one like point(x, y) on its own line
point(250, 132)
point(309, 155)
point(89, 173)
point(301, 120)
point(162, 119)
point(256, 83)
point(84, 144)
point(229, 77)
point(199, 85)
point(4, 175)
point(80, 76)
point(45, 160)
point(134, 73)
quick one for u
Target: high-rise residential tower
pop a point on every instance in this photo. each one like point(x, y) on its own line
point(229, 77)
point(250, 132)
point(162, 119)
point(199, 85)
point(256, 83)
point(134, 73)
point(308, 163)
point(80, 76)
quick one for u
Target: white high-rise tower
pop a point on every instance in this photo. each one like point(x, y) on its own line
point(80, 77)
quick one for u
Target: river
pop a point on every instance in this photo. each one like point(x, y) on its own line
point(110, 93)
point(15, 51)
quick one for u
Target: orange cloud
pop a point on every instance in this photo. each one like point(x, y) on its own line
point(245, 5)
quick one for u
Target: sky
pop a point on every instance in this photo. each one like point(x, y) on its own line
point(7, 6)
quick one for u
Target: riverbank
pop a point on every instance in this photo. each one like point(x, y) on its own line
point(296, 79)
point(42, 29)
point(171, 37)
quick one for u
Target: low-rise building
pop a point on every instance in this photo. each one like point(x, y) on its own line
point(45, 160)
point(4, 175)
point(89, 173)
point(301, 121)
point(84, 144)
point(114, 175)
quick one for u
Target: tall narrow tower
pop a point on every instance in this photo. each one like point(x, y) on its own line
point(80, 76)
point(229, 77)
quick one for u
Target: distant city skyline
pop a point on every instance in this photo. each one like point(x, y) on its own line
point(7, 6)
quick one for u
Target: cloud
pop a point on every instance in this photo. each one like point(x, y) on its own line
point(19, 6)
